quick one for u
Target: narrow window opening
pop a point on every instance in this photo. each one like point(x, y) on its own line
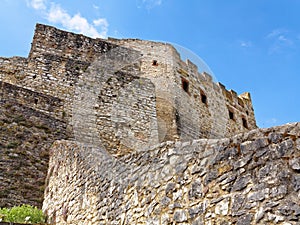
point(154, 63)
point(245, 123)
point(203, 98)
point(231, 115)
point(34, 76)
point(247, 112)
point(185, 85)
point(36, 101)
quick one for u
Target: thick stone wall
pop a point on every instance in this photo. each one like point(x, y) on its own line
point(56, 61)
point(120, 95)
point(200, 111)
point(47, 104)
point(251, 178)
point(29, 123)
point(60, 61)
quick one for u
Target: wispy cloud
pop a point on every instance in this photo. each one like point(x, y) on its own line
point(37, 4)
point(245, 44)
point(148, 4)
point(55, 14)
point(279, 39)
point(96, 7)
point(276, 32)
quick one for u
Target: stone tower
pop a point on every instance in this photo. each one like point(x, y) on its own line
point(130, 94)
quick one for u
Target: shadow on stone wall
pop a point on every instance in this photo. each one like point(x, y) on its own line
point(26, 135)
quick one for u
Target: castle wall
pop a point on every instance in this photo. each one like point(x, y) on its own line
point(12, 69)
point(203, 108)
point(157, 64)
point(183, 114)
point(60, 61)
point(46, 104)
point(29, 123)
point(127, 122)
point(251, 178)
point(56, 61)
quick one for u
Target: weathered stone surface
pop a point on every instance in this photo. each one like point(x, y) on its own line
point(241, 183)
point(125, 102)
point(295, 163)
point(180, 216)
point(263, 194)
point(26, 135)
point(245, 220)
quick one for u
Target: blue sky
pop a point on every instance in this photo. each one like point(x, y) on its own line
point(249, 45)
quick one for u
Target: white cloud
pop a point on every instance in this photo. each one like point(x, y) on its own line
point(96, 7)
point(285, 40)
point(276, 32)
point(245, 44)
point(279, 40)
point(76, 23)
point(37, 4)
point(280, 35)
point(102, 22)
point(148, 4)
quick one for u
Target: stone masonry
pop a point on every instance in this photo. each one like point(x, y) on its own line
point(250, 178)
point(122, 131)
point(177, 103)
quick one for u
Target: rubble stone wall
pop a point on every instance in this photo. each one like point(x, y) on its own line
point(125, 95)
point(251, 178)
point(29, 123)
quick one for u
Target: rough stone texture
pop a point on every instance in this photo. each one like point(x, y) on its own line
point(26, 135)
point(60, 62)
point(251, 178)
point(124, 103)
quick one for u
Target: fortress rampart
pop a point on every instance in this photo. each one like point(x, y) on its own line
point(138, 137)
point(185, 104)
point(251, 178)
point(26, 135)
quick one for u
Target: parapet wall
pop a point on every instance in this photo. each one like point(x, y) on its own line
point(251, 178)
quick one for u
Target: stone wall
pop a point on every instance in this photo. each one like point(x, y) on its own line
point(26, 134)
point(56, 61)
point(60, 62)
point(251, 178)
point(120, 95)
point(47, 104)
point(200, 111)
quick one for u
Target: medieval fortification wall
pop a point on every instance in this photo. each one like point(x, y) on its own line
point(147, 138)
point(188, 105)
point(251, 178)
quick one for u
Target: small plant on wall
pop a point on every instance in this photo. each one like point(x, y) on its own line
point(22, 214)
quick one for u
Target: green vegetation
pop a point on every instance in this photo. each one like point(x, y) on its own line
point(22, 214)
